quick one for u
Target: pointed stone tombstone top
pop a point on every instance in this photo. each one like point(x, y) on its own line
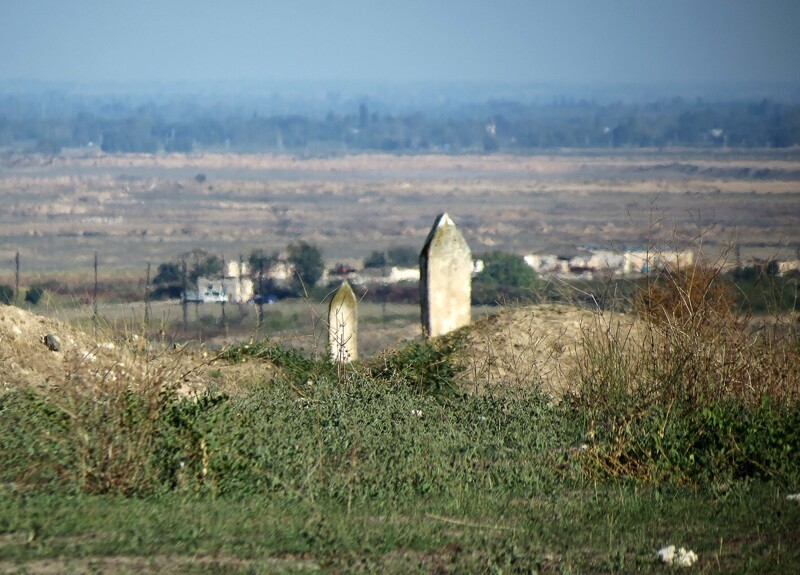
point(445, 279)
point(343, 325)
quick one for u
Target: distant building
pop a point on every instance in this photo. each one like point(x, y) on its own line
point(403, 275)
point(607, 261)
point(235, 287)
point(788, 267)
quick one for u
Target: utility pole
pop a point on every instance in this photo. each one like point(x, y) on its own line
point(184, 303)
point(16, 278)
point(147, 298)
point(224, 294)
point(260, 319)
point(94, 295)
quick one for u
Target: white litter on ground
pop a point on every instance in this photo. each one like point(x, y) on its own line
point(680, 557)
point(793, 497)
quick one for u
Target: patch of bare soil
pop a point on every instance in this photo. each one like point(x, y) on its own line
point(47, 354)
point(534, 345)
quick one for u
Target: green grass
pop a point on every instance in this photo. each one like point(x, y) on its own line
point(310, 473)
point(615, 528)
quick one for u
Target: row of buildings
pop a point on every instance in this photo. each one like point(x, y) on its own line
point(236, 284)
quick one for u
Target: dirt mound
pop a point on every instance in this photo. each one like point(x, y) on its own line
point(541, 344)
point(26, 357)
point(47, 354)
point(517, 347)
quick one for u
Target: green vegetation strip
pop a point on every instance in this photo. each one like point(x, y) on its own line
point(616, 528)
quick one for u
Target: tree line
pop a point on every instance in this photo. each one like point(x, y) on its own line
point(493, 126)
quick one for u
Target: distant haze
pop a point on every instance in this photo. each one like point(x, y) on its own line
point(583, 42)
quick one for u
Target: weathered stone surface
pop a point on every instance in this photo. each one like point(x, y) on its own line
point(52, 342)
point(445, 283)
point(343, 325)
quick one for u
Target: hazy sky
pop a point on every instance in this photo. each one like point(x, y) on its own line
point(561, 41)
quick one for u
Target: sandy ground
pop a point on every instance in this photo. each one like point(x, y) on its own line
point(99, 358)
point(533, 346)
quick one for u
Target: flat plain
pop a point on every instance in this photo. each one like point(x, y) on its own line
point(133, 209)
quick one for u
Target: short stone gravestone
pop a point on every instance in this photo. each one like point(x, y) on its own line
point(445, 282)
point(343, 325)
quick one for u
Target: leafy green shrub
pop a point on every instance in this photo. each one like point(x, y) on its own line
point(768, 295)
point(400, 256)
point(505, 269)
point(84, 441)
point(29, 442)
point(6, 294)
point(294, 366)
point(715, 445)
point(691, 394)
point(425, 365)
point(359, 442)
point(756, 272)
point(310, 433)
point(505, 279)
point(308, 264)
point(403, 256)
point(376, 259)
point(34, 294)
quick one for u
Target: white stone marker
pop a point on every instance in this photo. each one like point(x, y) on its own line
point(445, 282)
point(343, 325)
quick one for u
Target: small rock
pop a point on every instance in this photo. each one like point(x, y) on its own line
point(679, 557)
point(52, 342)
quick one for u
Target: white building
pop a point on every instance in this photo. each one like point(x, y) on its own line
point(235, 287)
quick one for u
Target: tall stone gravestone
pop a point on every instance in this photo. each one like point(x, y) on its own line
point(343, 325)
point(445, 279)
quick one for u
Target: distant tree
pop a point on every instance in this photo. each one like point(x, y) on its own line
point(259, 263)
point(34, 294)
point(757, 272)
point(403, 256)
point(168, 273)
point(168, 281)
point(208, 266)
point(258, 260)
point(308, 263)
point(772, 268)
point(376, 259)
point(504, 269)
point(6, 294)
